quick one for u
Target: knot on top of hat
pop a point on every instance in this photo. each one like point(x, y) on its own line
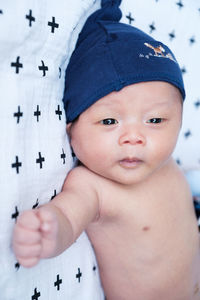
point(110, 3)
point(109, 11)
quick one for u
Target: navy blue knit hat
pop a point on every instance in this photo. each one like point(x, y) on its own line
point(109, 56)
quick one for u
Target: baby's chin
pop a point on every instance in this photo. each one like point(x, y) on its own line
point(127, 179)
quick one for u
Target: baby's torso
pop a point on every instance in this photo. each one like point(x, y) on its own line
point(146, 241)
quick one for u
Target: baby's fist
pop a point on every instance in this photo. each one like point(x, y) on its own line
point(35, 236)
point(27, 238)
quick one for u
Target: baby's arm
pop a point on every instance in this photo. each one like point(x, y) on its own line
point(49, 230)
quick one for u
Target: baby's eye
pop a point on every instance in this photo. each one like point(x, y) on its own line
point(155, 120)
point(109, 121)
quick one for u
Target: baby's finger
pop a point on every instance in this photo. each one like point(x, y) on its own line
point(45, 215)
point(23, 236)
point(29, 220)
point(28, 262)
point(48, 223)
point(29, 251)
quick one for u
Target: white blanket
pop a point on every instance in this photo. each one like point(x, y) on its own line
point(36, 40)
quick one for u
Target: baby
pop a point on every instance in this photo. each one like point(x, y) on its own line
point(123, 100)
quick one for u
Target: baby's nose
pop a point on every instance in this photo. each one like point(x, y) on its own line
point(132, 136)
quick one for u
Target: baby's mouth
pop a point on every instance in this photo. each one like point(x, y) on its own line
point(130, 162)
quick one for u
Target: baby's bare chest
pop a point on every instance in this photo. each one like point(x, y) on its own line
point(149, 245)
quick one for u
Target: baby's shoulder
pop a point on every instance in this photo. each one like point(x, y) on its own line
point(173, 179)
point(82, 176)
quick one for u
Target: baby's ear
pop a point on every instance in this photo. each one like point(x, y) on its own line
point(68, 128)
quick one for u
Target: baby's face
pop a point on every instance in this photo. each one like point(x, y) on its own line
point(128, 135)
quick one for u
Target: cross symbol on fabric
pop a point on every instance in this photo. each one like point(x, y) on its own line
point(17, 164)
point(58, 112)
point(30, 18)
point(180, 4)
point(94, 268)
point(18, 114)
point(197, 104)
point(183, 70)
point(37, 113)
point(60, 72)
point(53, 24)
point(129, 17)
point(192, 40)
point(40, 160)
point(187, 134)
point(172, 35)
point(54, 195)
point(63, 156)
point(57, 283)
point(43, 68)
point(17, 64)
point(15, 214)
point(78, 276)
point(17, 266)
point(36, 295)
point(1, 11)
point(36, 204)
point(152, 27)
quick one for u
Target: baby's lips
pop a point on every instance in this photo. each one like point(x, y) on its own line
point(130, 162)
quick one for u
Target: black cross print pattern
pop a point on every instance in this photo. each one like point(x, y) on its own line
point(79, 275)
point(172, 35)
point(36, 204)
point(58, 282)
point(197, 104)
point(15, 214)
point(58, 112)
point(17, 266)
point(1, 12)
point(63, 156)
point(152, 27)
point(180, 4)
point(60, 72)
point(54, 195)
point(53, 24)
point(36, 295)
point(17, 65)
point(187, 134)
point(183, 70)
point(37, 113)
point(130, 18)
point(192, 40)
point(94, 268)
point(40, 160)
point(73, 154)
point(178, 161)
point(43, 68)
point(30, 18)
point(18, 114)
point(17, 164)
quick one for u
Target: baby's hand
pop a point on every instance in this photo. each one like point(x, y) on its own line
point(35, 236)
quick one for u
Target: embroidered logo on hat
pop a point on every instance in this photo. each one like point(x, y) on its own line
point(158, 52)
